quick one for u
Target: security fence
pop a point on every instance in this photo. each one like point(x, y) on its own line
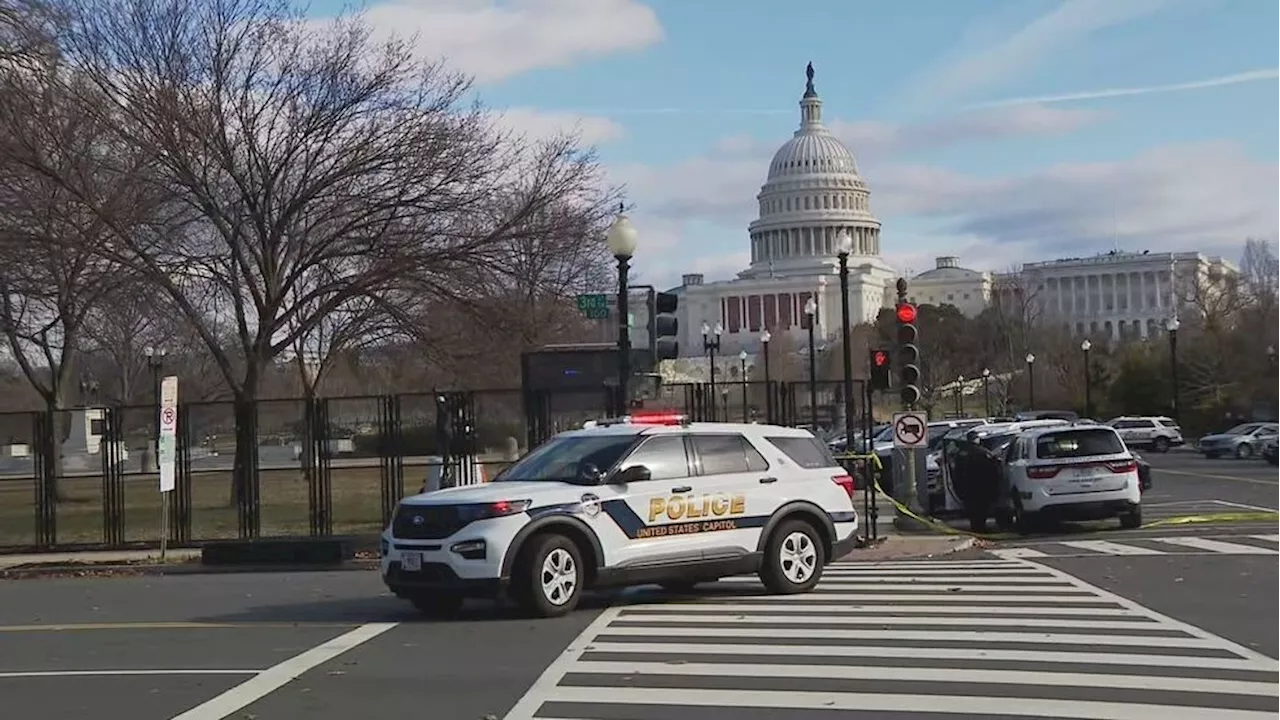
point(86, 478)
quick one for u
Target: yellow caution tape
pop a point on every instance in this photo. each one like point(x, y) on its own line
point(948, 529)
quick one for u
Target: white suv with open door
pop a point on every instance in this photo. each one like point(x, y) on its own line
point(1073, 472)
point(637, 500)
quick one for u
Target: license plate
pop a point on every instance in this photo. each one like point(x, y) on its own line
point(411, 561)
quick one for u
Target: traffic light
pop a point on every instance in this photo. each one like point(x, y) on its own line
point(908, 351)
point(880, 379)
point(665, 327)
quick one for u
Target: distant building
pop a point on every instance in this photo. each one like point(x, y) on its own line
point(1116, 295)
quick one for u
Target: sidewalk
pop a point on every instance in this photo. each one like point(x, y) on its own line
point(96, 558)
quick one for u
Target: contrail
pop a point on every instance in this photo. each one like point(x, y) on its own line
point(1236, 79)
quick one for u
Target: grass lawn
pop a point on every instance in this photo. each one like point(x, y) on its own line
point(357, 497)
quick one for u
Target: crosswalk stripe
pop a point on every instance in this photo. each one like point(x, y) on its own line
point(931, 653)
point(1038, 579)
point(889, 702)
point(1110, 548)
point(1018, 552)
point(879, 610)
point(929, 674)
point(947, 587)
point(1217, 546)
point(1268, 538)
point(778, 619)
point(940, 597)
point(745, 629)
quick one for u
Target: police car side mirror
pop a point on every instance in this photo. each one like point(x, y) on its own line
point(635, 473)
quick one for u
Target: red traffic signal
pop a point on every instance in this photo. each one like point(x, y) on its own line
point(906, 313)
point(880, 358)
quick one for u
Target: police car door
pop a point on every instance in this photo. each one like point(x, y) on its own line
point(648, 518)
point(734, 493)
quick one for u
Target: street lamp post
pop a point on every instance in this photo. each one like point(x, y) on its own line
point(811, 310)
point(1271, 358)
point(710, 345)
point(1031, 381)
point(986, 391)
point(765, 337)
point(1172, 326)
point(844, 245)
point(724, 403)
point(960, 396)
point(621, 240)
point(742, 372)
point(1085, 347)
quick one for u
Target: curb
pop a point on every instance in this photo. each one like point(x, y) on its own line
point(32, 572)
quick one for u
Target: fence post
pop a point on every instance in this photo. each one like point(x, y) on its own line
point(112, 479)
point(316, 464)
point(180, 498)
point(391, 459)
point(46, 488)
point(249, 500)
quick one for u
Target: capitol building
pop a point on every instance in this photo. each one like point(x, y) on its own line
point(812, 194)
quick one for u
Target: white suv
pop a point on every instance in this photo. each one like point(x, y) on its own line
point(1077, 472)
point(1158, 433)
point(627, 502)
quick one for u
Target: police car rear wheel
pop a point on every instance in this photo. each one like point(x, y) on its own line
point(552, 577)
point(794, 558)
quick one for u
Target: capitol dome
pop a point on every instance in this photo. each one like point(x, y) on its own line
point(813, 192)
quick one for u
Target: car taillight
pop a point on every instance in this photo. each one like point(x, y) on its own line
point(1122, 466)
point(1042, 472)
point(846, 482)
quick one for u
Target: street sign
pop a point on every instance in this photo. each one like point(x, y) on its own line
point(167, 441)
point(910, 430)
point(594, 306)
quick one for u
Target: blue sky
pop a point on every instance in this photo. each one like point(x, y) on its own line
point(687, 99)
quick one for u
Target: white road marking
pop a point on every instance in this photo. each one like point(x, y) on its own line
point(1217, 546)
point(1017, 552)
point(1260, 508)
point(277, 676)
point(120, 673)
point(943, 675)
point(1268, 538)
point(1110, 548)
point(1076, 635)
point(887, 702)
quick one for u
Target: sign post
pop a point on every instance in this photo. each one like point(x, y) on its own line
point(166, 453)
point(910, 435)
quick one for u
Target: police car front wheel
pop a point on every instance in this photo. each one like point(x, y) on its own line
point(548, 581)
point(794, 558)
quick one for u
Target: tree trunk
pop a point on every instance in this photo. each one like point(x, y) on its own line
point(58, 435)
point(244, 469)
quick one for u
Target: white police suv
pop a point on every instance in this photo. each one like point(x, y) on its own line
point(637, 500)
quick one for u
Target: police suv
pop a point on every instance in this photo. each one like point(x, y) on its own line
point(629, 501)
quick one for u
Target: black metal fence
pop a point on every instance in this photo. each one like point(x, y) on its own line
point(86, 478)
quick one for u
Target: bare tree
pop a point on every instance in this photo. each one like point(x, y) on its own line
point(130, 317)
point(300, 156)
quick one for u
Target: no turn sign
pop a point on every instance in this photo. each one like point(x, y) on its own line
point(910, 430)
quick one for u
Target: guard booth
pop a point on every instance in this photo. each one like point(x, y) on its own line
point(563, 386)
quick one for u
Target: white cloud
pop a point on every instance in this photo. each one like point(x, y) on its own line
point(537, 124)
point(495, 40)
point(722, 184)
point(997, 63)
point(1205, 196)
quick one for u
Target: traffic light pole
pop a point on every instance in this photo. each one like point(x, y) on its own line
point(847, 352)
point(909, 369)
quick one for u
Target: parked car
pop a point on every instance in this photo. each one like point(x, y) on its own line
point(1243, 441)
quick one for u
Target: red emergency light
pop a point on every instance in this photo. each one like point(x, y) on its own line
point(906, 313)
point(657, 417)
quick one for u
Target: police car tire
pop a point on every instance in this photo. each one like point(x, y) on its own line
point(772, 572)
point(528, 576)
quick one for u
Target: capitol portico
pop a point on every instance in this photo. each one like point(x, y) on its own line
point(813, 196)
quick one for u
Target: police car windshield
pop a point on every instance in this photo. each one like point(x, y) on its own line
point(568, 459)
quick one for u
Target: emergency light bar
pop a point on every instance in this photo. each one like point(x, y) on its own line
point(656, 417)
